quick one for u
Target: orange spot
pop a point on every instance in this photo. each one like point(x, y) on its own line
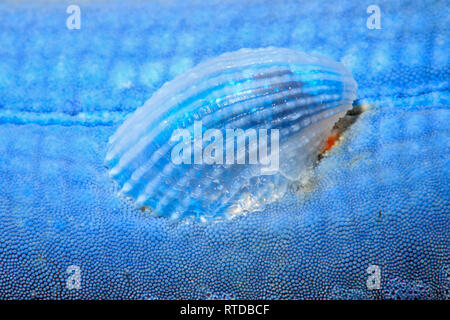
point(331, 141)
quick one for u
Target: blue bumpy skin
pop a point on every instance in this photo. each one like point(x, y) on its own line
point(380, 198)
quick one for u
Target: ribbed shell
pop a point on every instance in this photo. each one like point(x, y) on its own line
point(302, 95)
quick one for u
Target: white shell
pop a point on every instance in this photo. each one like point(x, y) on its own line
point(300, 95)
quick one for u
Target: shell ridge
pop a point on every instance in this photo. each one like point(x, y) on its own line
point(155, 100)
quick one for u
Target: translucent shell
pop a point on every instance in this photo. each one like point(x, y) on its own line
point(286, 97)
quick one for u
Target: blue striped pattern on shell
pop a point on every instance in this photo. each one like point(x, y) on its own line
point(302, 95)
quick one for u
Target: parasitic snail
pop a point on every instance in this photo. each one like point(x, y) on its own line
point(227, 136)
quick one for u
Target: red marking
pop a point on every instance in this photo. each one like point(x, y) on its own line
point(331, 140)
